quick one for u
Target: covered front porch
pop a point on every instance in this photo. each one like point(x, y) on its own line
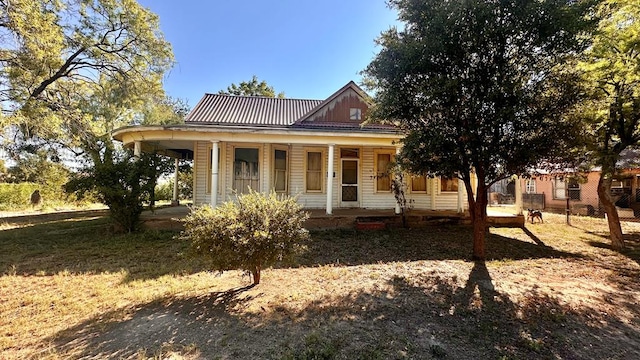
point(168, 218)
point(326, 170)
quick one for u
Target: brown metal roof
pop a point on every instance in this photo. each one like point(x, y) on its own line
point(249, 110)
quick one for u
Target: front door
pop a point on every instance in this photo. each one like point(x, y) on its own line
point(349, 183)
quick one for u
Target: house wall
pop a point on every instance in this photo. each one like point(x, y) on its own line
point(368, 196)
point(588, 193)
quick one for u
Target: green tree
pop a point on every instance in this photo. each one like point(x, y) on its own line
point(72, 71)
point(38, 168)
point(479, 88)
point(612, 112)
point(252, 87)
point(56, 57)
point(121, 182)
point(251, 233)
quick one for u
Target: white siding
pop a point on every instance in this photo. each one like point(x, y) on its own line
point(370, 198)
point(297, 175)
point(421, 200)
point(200, 173)
point(447, 201)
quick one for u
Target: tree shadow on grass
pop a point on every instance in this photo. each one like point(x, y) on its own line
point(84, 245)
point(420, 317)
point(533, 237)
point(350, 247)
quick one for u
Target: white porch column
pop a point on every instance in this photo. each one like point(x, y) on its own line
point(435, 186)
point(214, 173)
point(137, 149)
point(518, 196)
point(330, 181)
point(175, 183)
point(460, 196)
point(398, 209)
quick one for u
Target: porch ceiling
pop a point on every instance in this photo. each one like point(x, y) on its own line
point(180, 149)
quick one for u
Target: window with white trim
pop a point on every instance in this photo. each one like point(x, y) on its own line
point(530, 186)
point(280, 171)
point(563, 186)
point(420, 184)
point(448, 184)
point(383, 163)
point(313, 170)
point(246, 169)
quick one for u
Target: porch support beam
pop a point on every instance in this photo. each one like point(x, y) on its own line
point(398, 208)
point(137, 149)
point(518, 196)
point(435, 187)
point(214, 173)
point(460, 196)
point(330, 180)
point(175, 201)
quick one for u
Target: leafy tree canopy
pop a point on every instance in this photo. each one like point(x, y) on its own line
point(611, 72)
point(69, 68)
point(252, 87)
point(480, 87)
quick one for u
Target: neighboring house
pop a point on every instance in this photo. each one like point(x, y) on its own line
point(317, 149)
point(582, 191)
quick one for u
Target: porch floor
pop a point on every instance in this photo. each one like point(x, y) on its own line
point(167, 217)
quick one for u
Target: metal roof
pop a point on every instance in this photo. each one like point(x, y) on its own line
point(249, 110)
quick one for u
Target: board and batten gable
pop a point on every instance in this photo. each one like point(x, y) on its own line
point(338, 110)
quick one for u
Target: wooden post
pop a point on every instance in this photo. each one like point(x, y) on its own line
point(518, 195)
point(174, 201)
point(137, 150)
point(329, 206)
point(568, 209)
point(214, 173)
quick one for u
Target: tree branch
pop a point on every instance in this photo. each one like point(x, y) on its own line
point(59, 74)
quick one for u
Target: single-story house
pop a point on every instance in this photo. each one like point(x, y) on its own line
point(550, 192)
point(320, 150)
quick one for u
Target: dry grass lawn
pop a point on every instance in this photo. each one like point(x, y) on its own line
point(69, 289)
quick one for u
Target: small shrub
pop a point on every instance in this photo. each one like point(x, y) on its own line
point(121, 182)
point(251, 233)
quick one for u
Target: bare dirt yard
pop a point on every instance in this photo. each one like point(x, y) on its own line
point(69, 289)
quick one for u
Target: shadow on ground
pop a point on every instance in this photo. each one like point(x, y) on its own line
point(351, 247)
point(424, 317)
point(83, 244)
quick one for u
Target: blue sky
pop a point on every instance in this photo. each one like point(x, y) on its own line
point(306, 48)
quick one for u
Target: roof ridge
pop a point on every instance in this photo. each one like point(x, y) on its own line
point(261, 97)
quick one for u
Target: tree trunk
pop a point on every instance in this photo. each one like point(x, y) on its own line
point(478, 212)
point(256, 275)
point(479, 219)
point(604, 194)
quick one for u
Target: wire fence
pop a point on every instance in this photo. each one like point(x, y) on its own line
point(570, 195)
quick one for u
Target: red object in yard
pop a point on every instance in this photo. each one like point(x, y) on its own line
point(370, 225)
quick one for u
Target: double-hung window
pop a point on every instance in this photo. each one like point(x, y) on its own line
point(246, 170)
point(448, 184)
point(383, 171)
point(280, 171)
point(313, 169)
point(419, 184)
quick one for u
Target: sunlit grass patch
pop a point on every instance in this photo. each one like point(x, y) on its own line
point(71, 289)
